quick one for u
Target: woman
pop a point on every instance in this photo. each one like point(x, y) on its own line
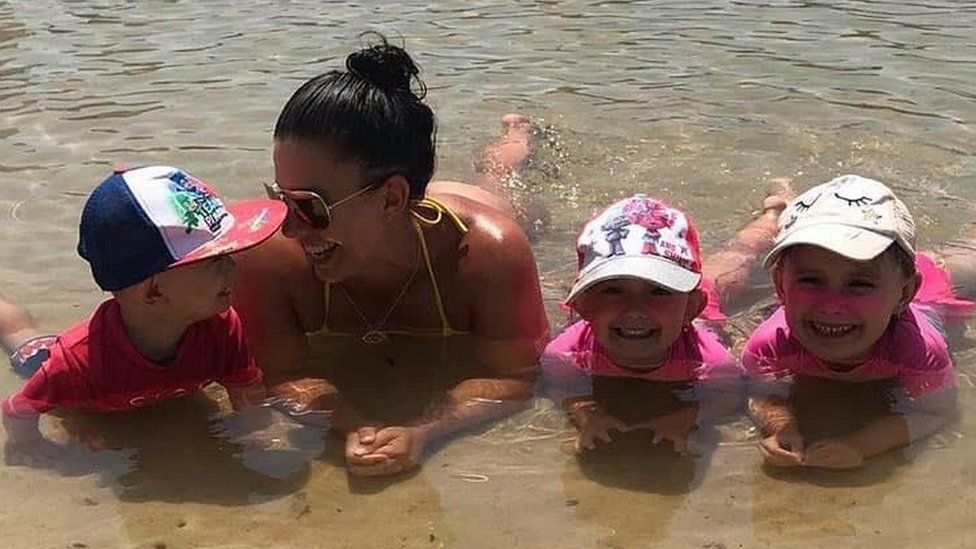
point(372, 251)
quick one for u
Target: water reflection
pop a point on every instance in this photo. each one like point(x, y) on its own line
point(176, 457)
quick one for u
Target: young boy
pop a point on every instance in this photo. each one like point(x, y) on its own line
point(160, 241)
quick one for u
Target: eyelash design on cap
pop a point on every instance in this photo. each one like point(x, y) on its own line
point(802, 206)
point(863, 201)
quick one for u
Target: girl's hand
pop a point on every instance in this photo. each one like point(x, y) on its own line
point(594, 424)
point(832, 453)
point(783, 448)
point(675, 427)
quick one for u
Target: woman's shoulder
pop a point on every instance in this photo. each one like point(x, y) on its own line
point(461, 196)
point(274, 279)
point(494, 238)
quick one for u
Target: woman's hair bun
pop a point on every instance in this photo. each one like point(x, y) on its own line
point(386, 66)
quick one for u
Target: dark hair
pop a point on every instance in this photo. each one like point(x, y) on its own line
point(905, 262)
point(370, 113)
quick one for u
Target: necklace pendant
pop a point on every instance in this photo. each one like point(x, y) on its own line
point(374, 337)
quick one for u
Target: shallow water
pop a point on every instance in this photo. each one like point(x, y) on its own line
point(701, 102)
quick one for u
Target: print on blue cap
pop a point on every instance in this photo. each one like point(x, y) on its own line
point(195, 203)
point(140, 222)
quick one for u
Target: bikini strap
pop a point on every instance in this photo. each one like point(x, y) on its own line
point(445, 325)
point(439, 209)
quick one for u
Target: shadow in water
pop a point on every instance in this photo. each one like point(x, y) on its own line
point(785, 508)
point(631, 460)
point(178, 459)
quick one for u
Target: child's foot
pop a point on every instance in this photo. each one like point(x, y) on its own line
point(509, 153)
point(780, 193)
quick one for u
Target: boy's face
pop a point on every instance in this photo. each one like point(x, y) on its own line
point(838, 308)
point(635, 321)
point(199, 290)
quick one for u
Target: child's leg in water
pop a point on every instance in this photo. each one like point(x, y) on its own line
point(507, 156)
point(500, 168)
point(730, 267)
point(958, 256)
point(16, 326)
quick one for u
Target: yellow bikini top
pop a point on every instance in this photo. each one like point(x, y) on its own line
point(418, 220)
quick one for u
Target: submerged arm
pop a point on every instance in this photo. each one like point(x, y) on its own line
point(913, 420)
point(509, 326)
point(279, 300)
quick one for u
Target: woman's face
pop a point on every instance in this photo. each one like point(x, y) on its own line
point(344, 247)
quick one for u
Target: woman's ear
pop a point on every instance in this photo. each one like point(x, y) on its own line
point(396, 195)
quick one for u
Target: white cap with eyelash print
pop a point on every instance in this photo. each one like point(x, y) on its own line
point(851, 215)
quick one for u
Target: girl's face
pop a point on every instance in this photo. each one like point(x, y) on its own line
point(838, 308)
point(344, 247)
point(635, 321)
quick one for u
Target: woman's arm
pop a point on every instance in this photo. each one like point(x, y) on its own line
point(279, 299)
point(509, 327)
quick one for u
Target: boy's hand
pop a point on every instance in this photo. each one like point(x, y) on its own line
point(39, 452)
point(301, 413)
point(593, 424)
point(783, 448)
point(832, 453)
point(386, 451)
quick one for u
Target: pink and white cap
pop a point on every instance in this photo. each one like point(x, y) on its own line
point(851, 215)
point(639, 237)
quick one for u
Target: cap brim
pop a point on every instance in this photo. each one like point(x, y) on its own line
point(653, 269)
point(254, 222)
point(852, 242)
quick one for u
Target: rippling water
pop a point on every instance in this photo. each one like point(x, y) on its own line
point(702, 102)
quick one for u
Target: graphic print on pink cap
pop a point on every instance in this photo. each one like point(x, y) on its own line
point(639, 237)
point(667, 232)
point(640, 225)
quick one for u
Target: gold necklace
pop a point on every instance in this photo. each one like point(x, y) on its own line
point(374, 333)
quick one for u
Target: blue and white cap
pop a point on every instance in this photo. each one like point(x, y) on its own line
point(142, 221)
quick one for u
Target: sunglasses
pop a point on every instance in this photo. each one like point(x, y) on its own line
point(309, 206)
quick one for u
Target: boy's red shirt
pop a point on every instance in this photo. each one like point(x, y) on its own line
point(93, 366)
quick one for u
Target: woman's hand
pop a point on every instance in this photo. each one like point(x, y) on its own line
point(386, 451)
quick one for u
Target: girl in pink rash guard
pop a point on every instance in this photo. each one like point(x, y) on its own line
point(854, 362)
point(639, 358)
